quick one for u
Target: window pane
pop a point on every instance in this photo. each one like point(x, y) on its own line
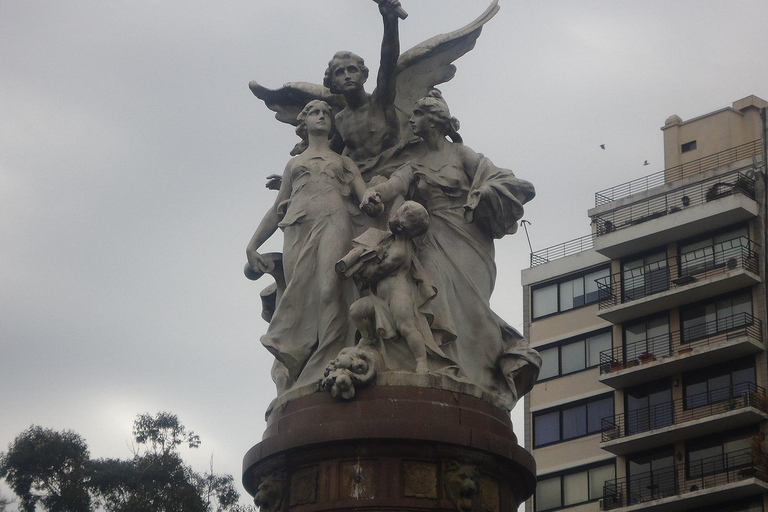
point(695, 394)
point(549, 363)
point(573, 356)
point(596, 411)
point(591, 291)
point(545, 301)
point(546, 428)
point(597, 479)
point(595, 345)
point(575, 488)
point(566, 295)
point(575, 422)
point(548, 494)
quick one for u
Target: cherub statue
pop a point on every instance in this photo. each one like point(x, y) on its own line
point(369, 124)
point(398, 305)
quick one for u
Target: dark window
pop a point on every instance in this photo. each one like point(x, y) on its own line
point(647, 335)
point(649, 407)
point(717, 454)
point(574, 354)
point(574, 486)
point(719, 382)
point(645, 276)
point(688, 146)
point(651, 476)
point(571, 421)
point(567, 294)
point(716, 316)
point(726, 248)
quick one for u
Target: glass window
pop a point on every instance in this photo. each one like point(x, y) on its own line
point(547, 428)
point(645, 276)
point(573, 486)
point(648, 335)
point(595, 345)
point(715, 455)
point(576, 488)
point(598, 477)
point(569, 293)
point(548, 494)
point(716, 316)
point(550, 363)
point(713, 251)
point(545, 301)
point(571, 421)
point(719, 382)
point(651, 475)
point(649, 407)
point(574, 355)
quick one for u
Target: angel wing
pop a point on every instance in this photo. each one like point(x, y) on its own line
point(431, 62)
point(288, 101)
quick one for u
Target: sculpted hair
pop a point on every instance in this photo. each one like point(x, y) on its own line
point(334, 63)
point(415, 218)
point(434, 105)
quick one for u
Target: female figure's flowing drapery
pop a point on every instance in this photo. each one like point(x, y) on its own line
point(458, 255)
point(311, 323)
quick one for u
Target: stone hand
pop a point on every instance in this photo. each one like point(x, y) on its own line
point(391, 9)
point(274, 181)
point(371, 203)
point(256, 266)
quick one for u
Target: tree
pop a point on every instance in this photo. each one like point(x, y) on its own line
point(163, 432)
point(4, 502)
point(47, 467)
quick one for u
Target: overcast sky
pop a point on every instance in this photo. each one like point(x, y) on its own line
point(133, 159)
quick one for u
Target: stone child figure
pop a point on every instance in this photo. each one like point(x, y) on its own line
point(368, 124)
point(400, 293)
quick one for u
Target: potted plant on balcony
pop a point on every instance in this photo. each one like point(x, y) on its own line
point(759, 455)
point(616, 365)
point(646, 357)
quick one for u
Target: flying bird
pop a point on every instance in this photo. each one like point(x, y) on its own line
point(646, 163)
point(602, 146)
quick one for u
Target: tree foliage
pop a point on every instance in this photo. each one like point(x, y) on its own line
point(53, 469)
point(48, 467)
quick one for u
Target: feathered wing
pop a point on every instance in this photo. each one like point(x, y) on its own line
point(289, 100)
point(431, 63)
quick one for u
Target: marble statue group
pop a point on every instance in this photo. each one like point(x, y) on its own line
point(388, 222)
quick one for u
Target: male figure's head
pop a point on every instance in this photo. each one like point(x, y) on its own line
point(346, 73)
point(411, 220)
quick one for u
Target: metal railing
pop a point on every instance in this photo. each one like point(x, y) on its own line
point(680, 480)
point(675, 412)
point(676, 271)
point(710, 333)
point(681, 171)
point(562, 250)
point(674, 201)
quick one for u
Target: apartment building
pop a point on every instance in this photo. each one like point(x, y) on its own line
point(652, 329)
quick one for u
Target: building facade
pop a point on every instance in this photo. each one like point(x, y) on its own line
point(652, 329)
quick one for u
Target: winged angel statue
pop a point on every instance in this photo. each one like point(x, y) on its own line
point(386, 145)
point(369, 124)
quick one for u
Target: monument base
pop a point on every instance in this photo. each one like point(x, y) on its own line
point(390, 448)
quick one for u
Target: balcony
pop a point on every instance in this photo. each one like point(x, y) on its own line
point(695, 416)
point(683, 211)
point(678, 280)
point(719, 479)
point(562, 250)
point(711, 343)
point(679, 172)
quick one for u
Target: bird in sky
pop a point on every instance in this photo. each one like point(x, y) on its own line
point(602, 146)
point(646, 163)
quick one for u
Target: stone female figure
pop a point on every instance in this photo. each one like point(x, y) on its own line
point(316, 208)
point(470, 202)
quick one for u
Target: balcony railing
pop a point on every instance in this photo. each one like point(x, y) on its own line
point(674, 201)
point(679, 411)
point(681, 171)
point(710, 333)
point(562, 250)
point(679, 480)
point(676, 271)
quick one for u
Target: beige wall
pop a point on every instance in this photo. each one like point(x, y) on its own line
point(558, 390)
point(565, 325)
point(567, 454)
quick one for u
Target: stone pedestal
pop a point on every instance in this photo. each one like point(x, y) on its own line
point(394, 448)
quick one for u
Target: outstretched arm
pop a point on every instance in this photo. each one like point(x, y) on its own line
point(268, 225)
point(390, 52)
